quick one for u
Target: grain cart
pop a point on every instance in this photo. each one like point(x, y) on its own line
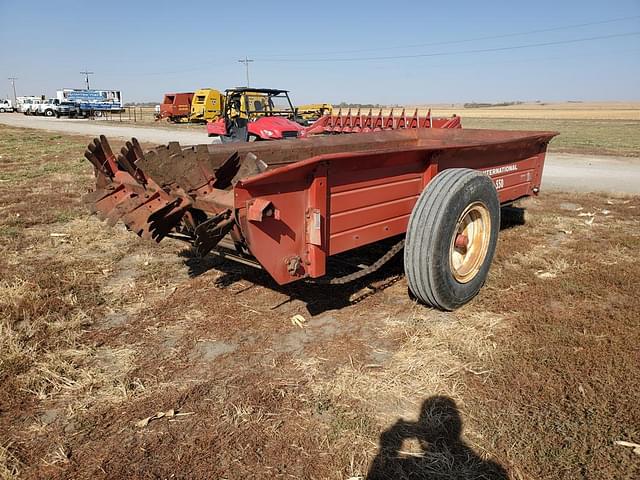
point(289, 207)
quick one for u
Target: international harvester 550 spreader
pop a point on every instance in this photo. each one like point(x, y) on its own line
point(289, 206)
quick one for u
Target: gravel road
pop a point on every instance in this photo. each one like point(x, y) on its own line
point(562, 171)
point(153, 134)
point(591, 173)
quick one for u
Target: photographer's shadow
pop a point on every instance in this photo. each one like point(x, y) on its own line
point(443, 455)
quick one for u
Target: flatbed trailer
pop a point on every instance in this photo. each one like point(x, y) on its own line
point(289, 207)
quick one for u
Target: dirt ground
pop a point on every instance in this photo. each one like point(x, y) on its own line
point(101, 332)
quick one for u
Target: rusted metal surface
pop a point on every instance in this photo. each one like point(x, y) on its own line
point(291, 205)
point(369, 122)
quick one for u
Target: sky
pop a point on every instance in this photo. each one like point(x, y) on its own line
point(387, 52)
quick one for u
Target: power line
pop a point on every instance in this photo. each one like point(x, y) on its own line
point(459, 52)
point(538, 59)
point(246, 62)
point(86, 77)
point(474, 39)
point(275, 58)
point(480, 63)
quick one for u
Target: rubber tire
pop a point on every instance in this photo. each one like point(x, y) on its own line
point(48, 112)
point(431, 227)
point(1, 110)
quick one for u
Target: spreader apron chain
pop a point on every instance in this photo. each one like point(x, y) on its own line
point(365, 271)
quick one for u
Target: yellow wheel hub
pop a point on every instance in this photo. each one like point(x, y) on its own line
point(470, 242)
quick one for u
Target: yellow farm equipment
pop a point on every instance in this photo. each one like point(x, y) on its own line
point(207, 105)
point(311, 112)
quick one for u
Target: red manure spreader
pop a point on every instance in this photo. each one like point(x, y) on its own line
point(288, 207)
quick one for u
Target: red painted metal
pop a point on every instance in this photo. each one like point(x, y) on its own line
point(263, 128)
point(277, 128)
point(363, 123)
point(462, 241)
point(176, 106)
point(292, 205)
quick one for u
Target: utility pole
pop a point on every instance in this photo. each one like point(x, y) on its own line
point(86, 77)
point(246, 62)
point(13, 84)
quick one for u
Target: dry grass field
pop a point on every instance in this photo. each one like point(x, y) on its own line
point(606, 128)
point(609, 128)
point(550, 111)
point(99, 331)
point(598, 137)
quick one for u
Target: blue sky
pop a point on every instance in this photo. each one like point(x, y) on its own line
point(316, 49)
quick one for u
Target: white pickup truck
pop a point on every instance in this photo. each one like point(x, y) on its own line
point(48, 108)
point(6, 106)
point(31, 107)
point(25, 104)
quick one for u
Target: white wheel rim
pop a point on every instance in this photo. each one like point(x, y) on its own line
point(470, 242)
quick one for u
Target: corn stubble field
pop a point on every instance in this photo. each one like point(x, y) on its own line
point(124, 359)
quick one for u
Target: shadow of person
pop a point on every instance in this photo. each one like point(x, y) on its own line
point(443, 454)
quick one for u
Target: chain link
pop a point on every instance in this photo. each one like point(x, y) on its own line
point(365, 271)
